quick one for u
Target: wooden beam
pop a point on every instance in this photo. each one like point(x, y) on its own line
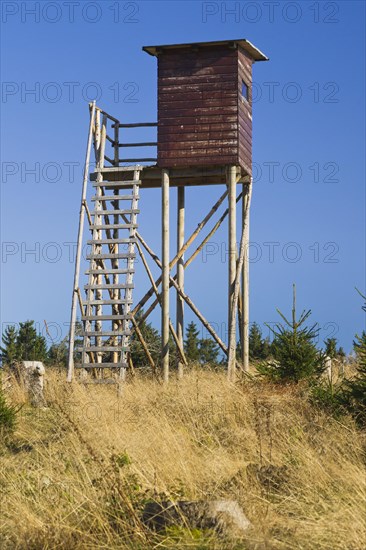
point(70, 371)
point(194, 255)
point(158, 297)
point(232, 263)
point(247, 190)
point(195, 233)
point(165, 275)
point(242, 253)
point(180, 272)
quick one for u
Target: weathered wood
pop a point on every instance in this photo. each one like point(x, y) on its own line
point(108, 271)
point(106, 286)
point(104, 318)
point(165, 276)
point(247, 191)
point(111, 198)
point(124, 255)
point(106, 184)
point(186, 245)
point(79, 246)
point(117, 366)
point(242, 253)
point(171, 328)
point(144, 345)
point(180, 272)
point(195, 253)
point(231, 261)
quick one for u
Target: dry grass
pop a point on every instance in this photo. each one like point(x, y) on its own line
point(77, 474)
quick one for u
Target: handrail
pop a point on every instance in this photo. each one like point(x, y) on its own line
point(117, 145)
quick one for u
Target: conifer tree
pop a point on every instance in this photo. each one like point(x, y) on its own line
point(295, 355)
point(9, 350)
point(191, 343)
point(208, 351)
point(355, 392)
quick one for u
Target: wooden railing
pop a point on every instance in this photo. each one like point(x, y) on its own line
point(117, 145)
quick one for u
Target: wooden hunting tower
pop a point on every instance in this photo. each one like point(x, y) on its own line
point(204, 137)
point(205, 103)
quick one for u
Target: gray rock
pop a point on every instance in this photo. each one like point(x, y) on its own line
point(224, 516)
point(32, 373)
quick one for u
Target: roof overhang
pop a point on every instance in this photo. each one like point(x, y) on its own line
point(254, 53)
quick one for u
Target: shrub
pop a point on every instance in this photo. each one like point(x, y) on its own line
point(295, 355)
point(7, 416)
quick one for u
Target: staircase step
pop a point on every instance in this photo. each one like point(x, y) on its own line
point(115, 212)
point(110, 256)
point(113, 197)
point(105, 317)
point(109, 271)
point(102, 366)
point(102, 349)
point(93, 333)
point(114, 226)
point(108, 302)
point(126, 183)
point(109, 286)
point(132, 240)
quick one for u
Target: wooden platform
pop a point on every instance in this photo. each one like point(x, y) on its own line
point(151, 175)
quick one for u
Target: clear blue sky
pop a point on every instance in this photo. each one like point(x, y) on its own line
point(309, 149)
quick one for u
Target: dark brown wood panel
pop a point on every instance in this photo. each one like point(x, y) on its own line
point(199, 87)
point(202, 120)
point(191, 128)
point(197, 103)
point(200, 136)
point(199, 161)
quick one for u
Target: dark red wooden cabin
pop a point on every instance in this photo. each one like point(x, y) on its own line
point(205, 103)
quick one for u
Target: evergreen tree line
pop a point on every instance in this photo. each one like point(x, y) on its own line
point(291, 357)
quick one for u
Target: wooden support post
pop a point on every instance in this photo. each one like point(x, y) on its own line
point(165, 276)
point(188, 243)
point(245, 276)
point(180, 272)
point(70, 372)
point(232, 261)
point(242, 254)
point(158, 297)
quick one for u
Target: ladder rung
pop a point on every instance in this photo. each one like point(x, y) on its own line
point(131, 168)
point(109, 271)
point(115, 226)
point(102, 366)
point(111, 256)
point(108, 302)
point(114, 212)
point(105, 317)
point(107, 286)
point(131, 240)
point(106, 333)
point(114, 197)
point(100, 348)
point(116, 183)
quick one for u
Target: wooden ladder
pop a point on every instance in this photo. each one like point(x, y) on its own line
point(107, 307)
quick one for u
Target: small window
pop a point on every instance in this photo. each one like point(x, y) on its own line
point(244, 90)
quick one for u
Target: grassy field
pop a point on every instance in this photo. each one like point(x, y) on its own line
point(78, 473)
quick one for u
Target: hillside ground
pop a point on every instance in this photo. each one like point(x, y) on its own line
point(78, 473)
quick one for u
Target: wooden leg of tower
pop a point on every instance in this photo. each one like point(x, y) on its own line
point(245, 277)
point(165, 275)
point(180, 273)
point(232, 259)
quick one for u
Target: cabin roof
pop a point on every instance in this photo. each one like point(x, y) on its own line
point(254, 53)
